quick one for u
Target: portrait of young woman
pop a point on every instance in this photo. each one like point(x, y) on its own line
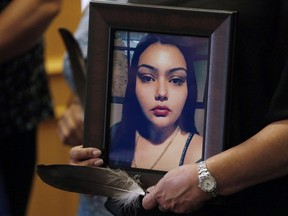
point(157, 129)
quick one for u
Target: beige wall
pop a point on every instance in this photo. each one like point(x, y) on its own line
point(46, 200)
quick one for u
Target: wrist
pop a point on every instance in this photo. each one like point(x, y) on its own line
point(206, 181)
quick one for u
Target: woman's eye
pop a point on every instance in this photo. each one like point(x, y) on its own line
point(177, 81)
point(146, 78)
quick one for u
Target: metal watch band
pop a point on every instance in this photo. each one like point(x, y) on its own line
point(203, 175)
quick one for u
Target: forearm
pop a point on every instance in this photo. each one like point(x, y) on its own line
point(23, 23)
point(259, 159)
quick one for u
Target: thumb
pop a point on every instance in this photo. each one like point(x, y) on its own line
point(149, 201)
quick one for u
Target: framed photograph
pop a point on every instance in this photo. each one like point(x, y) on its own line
point(157, 85)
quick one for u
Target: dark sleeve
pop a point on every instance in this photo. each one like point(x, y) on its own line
point(115, 210)
point(212, 207)
point(278, 109)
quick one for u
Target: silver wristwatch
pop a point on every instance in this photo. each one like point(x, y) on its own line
point(207, 182)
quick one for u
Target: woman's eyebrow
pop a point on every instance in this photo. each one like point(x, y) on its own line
point(147, 66)
point(172, 70)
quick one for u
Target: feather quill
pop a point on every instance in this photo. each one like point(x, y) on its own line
point(117, 184)
point(128, 198)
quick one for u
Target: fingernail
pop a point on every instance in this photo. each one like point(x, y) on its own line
point(98, 162)
point(150, 189)
point(96, 153)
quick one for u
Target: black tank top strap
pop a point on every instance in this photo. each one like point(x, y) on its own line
point(185, 148)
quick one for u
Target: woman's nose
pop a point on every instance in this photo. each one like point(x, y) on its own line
point(161, 92)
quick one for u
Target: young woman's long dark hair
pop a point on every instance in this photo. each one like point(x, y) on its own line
point(132, 114)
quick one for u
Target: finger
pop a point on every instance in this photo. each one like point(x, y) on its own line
point(149, 201)
point(98, 162)
point(64, 127)
point(67, 136)
point(78, 113)
point(78, 118)
point(62, 131)
point(163, 209)
point(79, 153)
point(59, 130)
point(91, 162)
point(71, 123)
point(73, 137)
point(150, 189)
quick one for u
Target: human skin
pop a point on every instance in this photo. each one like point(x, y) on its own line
point(70, 124)
point(161, 85)
point(22, 24)
point(235, 169)
point(162, 91)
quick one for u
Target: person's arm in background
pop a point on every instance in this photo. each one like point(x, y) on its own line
point(34, 17)
point(70, 124)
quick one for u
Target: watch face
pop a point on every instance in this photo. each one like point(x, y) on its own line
point(208, 184)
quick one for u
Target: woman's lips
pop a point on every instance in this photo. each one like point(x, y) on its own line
point(161, 111)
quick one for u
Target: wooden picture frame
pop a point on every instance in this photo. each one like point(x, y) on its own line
point(211, 30)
